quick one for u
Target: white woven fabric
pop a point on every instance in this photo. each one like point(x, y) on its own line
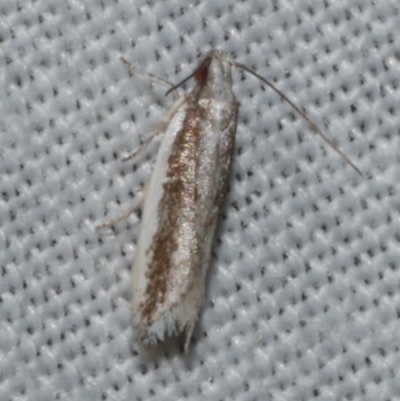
point(303, 295)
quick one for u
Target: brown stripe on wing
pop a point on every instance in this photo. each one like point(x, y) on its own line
point(176, 214)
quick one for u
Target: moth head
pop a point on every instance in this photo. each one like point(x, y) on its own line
point(216, 66)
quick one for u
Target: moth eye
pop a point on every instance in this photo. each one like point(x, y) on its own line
point(202, 71)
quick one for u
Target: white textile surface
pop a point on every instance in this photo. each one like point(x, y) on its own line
point(303, 292)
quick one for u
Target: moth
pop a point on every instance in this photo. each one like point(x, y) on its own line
point(184, 198)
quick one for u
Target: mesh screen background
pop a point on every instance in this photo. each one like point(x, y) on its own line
point(303, 291)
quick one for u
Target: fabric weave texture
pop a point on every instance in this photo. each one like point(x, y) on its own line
point(303, 297)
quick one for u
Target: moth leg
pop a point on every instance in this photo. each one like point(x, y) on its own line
point(141, 148)
point(122, 216)
point(160, 128)
point(126, 214)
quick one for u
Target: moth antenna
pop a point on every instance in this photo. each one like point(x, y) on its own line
point(195, 73)
point(312, 124)
point(179, 84)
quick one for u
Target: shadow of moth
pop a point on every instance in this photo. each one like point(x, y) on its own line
point(184, 198)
